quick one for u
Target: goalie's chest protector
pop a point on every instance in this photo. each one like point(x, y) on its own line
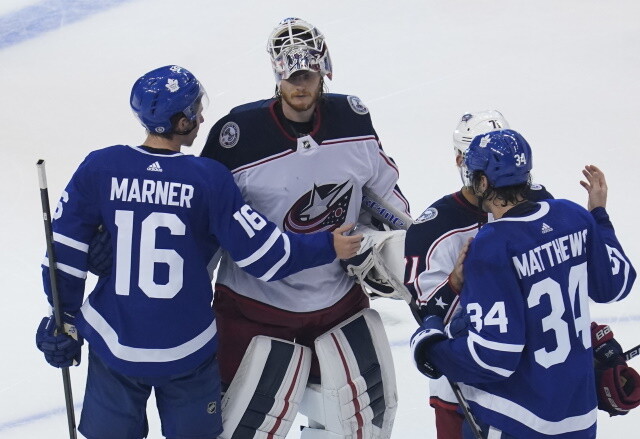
point(304, 185)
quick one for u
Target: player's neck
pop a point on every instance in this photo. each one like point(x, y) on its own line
point(497, 208)
point(467, 193)
point(163, 143)
point(297, 115)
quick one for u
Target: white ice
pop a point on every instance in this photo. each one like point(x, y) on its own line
point(564, 72)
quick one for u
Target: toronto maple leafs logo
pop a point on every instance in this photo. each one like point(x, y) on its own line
point(172, 85)
point(323, 208)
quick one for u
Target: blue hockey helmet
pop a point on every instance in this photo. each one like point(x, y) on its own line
point(504, 156)
point(158, 95)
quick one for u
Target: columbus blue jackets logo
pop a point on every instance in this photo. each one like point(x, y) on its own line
point(427, 215)
point(357, 105)
point(323, 208)
point(229, 135)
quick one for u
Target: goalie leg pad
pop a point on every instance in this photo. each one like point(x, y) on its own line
point(263, 398)
point(357, 397)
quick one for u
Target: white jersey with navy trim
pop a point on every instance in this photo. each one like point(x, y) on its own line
point(167, 214)
point(304, 184)
point(527, 362)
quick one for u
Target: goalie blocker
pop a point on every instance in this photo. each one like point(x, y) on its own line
point(357, 396)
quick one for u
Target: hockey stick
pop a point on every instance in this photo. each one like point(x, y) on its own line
point(632, 353)
point(396, 219)
point(66, 377)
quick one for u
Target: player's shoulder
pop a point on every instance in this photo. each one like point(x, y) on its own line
point(346, 104)
point(538, 192)
point(562, 206)
point(345, 116)
point(445, 216)
point(246, 115)
point(107, 156)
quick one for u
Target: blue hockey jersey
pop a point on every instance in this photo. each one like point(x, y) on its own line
point(526, 365)
point(168, 214)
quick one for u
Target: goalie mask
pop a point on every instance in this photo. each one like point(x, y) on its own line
point(472, 125)
point(296, 45)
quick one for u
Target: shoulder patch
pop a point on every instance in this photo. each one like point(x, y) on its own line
point(229, 135)
point(427, 215)
point(356, 105)
point(536, 187)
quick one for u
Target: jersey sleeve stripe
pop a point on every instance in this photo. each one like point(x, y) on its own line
point(262, 250)
point(474, 339)
point(504, 407)
point(287, 251)
point(69, 242)
point(133, 354)
point(67, 269)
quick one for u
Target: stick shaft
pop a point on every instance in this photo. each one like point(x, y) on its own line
point(55, 298)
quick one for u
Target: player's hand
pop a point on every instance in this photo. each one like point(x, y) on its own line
point(346, 246)
point(60, 350)
point(596, 186)
point(456, 279)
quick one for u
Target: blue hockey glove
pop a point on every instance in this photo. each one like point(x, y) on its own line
point(60, 350)
point(459, 325)
point(100, 253)
point(431, 331)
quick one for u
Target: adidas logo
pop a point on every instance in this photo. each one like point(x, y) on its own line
point(155, 166)
point(546, 228)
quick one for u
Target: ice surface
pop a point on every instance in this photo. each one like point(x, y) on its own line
point(564, 73)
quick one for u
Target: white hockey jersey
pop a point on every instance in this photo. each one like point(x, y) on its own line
point(304, 184)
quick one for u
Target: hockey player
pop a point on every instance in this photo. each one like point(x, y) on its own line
point(303, 158)
point(525, 356)
point(149, 322)
point(432, 245)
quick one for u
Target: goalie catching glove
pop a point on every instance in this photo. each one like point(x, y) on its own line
point(59, 349)
point(617, 385)
point(379, 264)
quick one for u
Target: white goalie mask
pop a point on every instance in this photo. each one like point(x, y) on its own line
point(297, 45)
point(470, 126)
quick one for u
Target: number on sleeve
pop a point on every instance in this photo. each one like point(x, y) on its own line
point(249, 220)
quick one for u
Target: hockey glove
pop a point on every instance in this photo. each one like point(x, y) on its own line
point(618, 389)
point(606, 350)
point(60, 350)
point(459, 325)
point(100, 253)
point(431, 331)
point(618, 385)
point(379, 266)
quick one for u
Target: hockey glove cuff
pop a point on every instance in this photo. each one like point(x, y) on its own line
point(606, 350)
point(430, 332)
point(60, 350)
point(618, 389)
